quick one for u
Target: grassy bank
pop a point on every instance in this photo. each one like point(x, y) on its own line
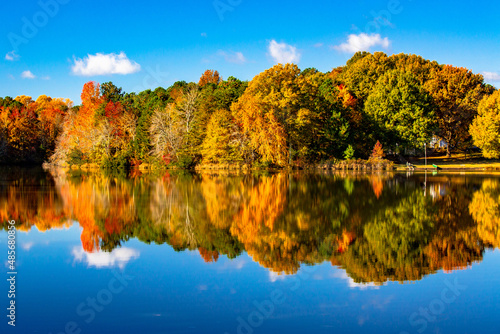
point(474, 162)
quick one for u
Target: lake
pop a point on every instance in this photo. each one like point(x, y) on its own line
point(261, 253)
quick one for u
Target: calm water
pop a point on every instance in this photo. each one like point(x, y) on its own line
point(218, 253)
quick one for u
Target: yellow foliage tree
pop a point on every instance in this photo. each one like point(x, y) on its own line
point(267, 109)
point(24, 100)
point(485, 129)
point(216, 147)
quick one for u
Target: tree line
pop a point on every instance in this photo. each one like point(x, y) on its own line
point(283, 117)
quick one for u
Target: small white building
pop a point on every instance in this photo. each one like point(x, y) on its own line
point(437, 142)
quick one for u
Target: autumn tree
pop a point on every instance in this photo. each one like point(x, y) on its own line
point(209, 77)
point(362, 72)
point(167, 133)
point(85, 131)
point(3, 135)
point(82, 136)
point(101, 131)
point(485, 129)
point(284, 113)
point(456, 93)
point(217, 146)
point(21, 135)
point(266, 112)
point(51, 112)
point(421, 69)
point(24, 100)
point(378, 152)
point(192, 123)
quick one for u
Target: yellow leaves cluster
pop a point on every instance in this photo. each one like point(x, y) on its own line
point(485, 129)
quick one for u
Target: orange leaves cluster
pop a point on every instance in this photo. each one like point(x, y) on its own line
point(208, 256)
point(345, 240)
point(350, 103)
point(266, 202)
point(29, 129)
point(209, 76)
point(377, 185)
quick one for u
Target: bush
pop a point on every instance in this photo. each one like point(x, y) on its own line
point(349, 153)
point(185, 162)
point(76, 157)
point(121, 162)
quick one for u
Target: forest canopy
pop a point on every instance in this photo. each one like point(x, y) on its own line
point(283, 117)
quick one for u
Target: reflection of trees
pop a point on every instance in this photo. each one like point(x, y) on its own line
point(254, 223)
point(392, 242)
point(415, 237)
point(485, 208)
point(455, 243)
point(223, 196)
point(30, 198)
point(376, 227)
point(102, 206)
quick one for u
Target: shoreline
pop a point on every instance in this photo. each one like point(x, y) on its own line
point(444, 168)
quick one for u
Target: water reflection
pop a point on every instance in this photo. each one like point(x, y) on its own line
point(119, 257)
point(377, 227)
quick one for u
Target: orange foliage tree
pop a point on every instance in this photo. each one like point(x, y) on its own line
point(378, 152)
point(209, 76)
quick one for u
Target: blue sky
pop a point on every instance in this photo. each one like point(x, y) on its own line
point(53, 47)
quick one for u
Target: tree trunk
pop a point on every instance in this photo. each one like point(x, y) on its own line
point(290, 154)
point(448, 138)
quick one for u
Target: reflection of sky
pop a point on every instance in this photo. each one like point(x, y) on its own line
point(353, 285)
point(177, 292)
point(119, 257)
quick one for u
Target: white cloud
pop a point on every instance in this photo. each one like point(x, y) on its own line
point(362, 42)
point(353, 285)
point(318, 45)
point(491, 76)
point(233, 57)
point(11, 55)
point(27, 75)
point(27, 245)
point(234, 264)
point(273, 277)
point(118, 257)
point(283, 53)
point(102, 64)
